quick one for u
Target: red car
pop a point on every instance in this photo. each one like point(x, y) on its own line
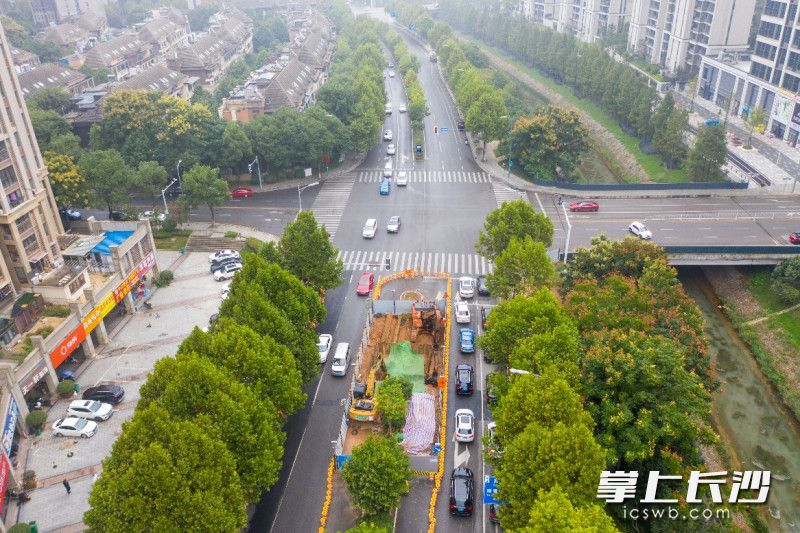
point(365, 284)
point(584, 206)
point(242, 192)
point(794, 238)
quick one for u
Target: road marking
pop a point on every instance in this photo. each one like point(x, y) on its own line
point(460, 458)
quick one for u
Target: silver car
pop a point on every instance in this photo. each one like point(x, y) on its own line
point(393, 226)
point(390, 150)
point(90, 409)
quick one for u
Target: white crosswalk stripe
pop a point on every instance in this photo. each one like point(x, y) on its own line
point(428, 176)
point(331, 201)
point(457, 264)
point(503, 193)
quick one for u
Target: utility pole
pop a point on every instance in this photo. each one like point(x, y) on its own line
point(299, 192)
point(569, 231)
point(164, 197)
point(258, 168)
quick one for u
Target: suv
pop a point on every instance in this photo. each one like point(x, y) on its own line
point(462, 491)
point(222, 263)
point(464, 380)
point(227, 272)
point(341, 359)
point(466, 287)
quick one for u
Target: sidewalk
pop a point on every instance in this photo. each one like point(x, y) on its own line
point(350, 163)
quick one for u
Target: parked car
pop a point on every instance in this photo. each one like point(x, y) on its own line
point(466, 287)
point(483, 289)
point(462, 313)
point(341, 359)
point(584, 206)
point(65, 374)
point(227, 272)
point(112, 394)
point(223, 254)
point(324, 346)
point(213, 318)
point(74, 427)
point(491, 390)
point(365, 284)
point(152, 215)
point(460, 125)
point(370, 227)
point(402, 179)
point(90, 410)
point(794, 238)
point(462, 491)
point(387, 135)
point(393, 226)
point(465, 425)
point(402, 108)
point(222, 263)
point(639, 229)
point(485, 315)
point(391, 150)
point(386, 187)
point(72, 214)
point(464, 380)
point(466, 338)
point(242, 192)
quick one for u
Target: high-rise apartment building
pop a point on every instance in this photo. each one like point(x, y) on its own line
point(776, 57)
point(588, 20)
point(29, 221)
point(676, 34)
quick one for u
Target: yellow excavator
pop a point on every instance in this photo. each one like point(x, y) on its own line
point(362, 407)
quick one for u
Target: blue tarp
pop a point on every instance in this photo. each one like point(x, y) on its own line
point(112, 238)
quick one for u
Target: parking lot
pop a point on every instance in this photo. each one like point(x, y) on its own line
point(136, 344)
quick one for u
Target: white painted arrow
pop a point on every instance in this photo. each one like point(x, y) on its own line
point(460, 458)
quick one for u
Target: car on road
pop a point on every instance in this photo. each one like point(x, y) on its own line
point(462, 491)
point(152, 215)
point(386, 187)
point(462, 313)
point(402, 108)
point(74, 427)
point(466, 340)
point(640, 230)
point(242, 192)
point(460, 125)
point(794, 238)
point(491, 390)
point(90, 410)
point(483, 289)
point(584, 206)
point(388, 109)
point(223, 254)
point(391, 64)
point(464, 380)
point(465, 425)
point(387, 135)
point(466, 287)
point(227, 272)
point(391, 74)
point(402, 179)
point(393, 226)
point(324, 346)
point(112, 394)
point(222, 263)
point(365, 284)
point(370, 227)
point(391, 150)
point(72, 214)
point(341, 359)
point(485, 315)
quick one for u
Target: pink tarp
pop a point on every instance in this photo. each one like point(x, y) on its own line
point(420, 427)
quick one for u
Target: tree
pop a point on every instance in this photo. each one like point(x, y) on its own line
point(540, 458)
point(485, 118)
point(522, 268)
point(55, 99)
point(159, 477)
point(391, 401)
point(756, 118)
point(66, 144)
point(512, 219)
point(193, 388)
point(376, 474)
point(236, 147)
point(47, 125)
point(549, 144)
point(108, 177)
point(786, 280)
point(151, 178)
point(553, 511)
point(69, 186)
point(708, 155)
point(308, 253)
point(202, 185)
point(368, 527)
point(555, 349)
point(99, 75)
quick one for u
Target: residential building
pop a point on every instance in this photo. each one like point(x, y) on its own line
point(52, 75)
point(776, 56)
point(588, 20)
point(676, 34)
point(119, 55)
point(166, 31)
point(161, 79)
point(69, 37)
point(23, 60)
point(48, 12)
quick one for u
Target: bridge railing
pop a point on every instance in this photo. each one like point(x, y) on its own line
point(701, 249)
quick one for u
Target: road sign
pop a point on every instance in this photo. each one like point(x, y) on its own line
point(489, 490)
point(712, 122)
point(444, 129)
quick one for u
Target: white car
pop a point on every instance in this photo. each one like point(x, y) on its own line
point(341, 359)
point(387, 135)
point(639, 229)
point(391, 74)
point(466, 287)
point(225, 292)
point(465, 425)
point(324, 346)
point(393, 226)
point(402, 108)
point(370, 227)
point(390, 150)
point(74, 427)
point(223, 254)
point(388, 109)
point(90, 410)
point(462, 313)
point(150, 215)
point(402, 179)
point(227, 272)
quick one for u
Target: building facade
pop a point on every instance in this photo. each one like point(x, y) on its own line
point(676, 34)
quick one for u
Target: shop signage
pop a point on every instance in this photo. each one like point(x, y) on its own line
point(67, 346)
point(5, 468)
point(97, 314)
point(12, 415)
point(33, 377)
point(796, 115)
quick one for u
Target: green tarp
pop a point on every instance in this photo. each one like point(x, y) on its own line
point(403, 362)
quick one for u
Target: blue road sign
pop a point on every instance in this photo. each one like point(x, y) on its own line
point(444, 129)
point(712, 122)
point(489, 490)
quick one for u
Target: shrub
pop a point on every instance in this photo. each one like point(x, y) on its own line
point(169, 225)
point(786, 280)
point(29, 480)
point(19, 528)
point(56, 310)
point(36, 418)
point(231, 234)
point(253, 245)
point(66, 387)
point(165, 277)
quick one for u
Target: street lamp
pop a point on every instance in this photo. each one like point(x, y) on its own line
point(299, 192)
point(163, 195)
point(569, 231)
point(509, 162)
point(178, 168)
point(258, 167)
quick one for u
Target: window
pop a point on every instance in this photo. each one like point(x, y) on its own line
point(8, 177)
point(794, 61)
point(30, 243)
point(15, 198)
point(77, 283)
point(24, 224)
point(767, 51)
point(7, 231)
point(775, 9)
point(791, 83)
point(760, 71)
point(3, 151)
point(770, 30)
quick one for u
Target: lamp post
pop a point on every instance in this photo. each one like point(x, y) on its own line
point(569, 231)
point(258, 168)
point(300, 191)
point(178, 169)
point(394, 303)
point(510, 162)
point(164, 197)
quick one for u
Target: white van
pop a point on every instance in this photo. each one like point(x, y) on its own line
point(387, 169)
point(341, 359)
point(370, 227)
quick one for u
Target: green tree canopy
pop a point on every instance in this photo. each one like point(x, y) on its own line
point(553, 512)
point(237, 150)
point(708, 155)
point(376, 475)
point(308, 253)
point(55, 99)
point(555, 349)
point(67, 144)
point(151, 178)
point(391, 401)
point(108, 177)
point(522, 268)
point(47, 125)
point(786, 280)
point(488, 118)
point(512, 219)
point(203, 186)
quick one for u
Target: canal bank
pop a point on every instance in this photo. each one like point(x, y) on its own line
point(757, 430)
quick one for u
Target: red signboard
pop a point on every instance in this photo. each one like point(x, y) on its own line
point(67, 346)
point(4, 470)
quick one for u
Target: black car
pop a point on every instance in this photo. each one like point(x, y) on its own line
point(461, 125)
point(483, 290)
point(491, 390)
point(112, 394)
point(484, 316)
point(464, 380)
point(222, 263)
point(462, 491)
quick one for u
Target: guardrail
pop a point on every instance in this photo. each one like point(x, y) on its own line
point(717, 215)
point(638, 186)
point(777, 249)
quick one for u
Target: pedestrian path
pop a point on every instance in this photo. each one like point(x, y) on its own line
point(429, 176)
point(503, 193)
point(331, 202)
point(451, 263)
